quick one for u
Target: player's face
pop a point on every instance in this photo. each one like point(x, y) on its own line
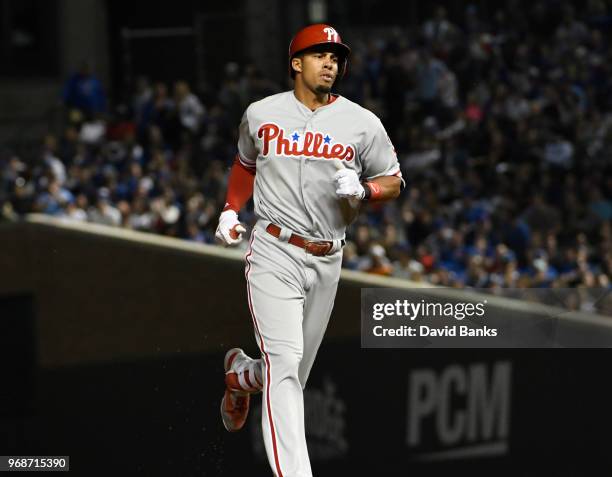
point(319, 70)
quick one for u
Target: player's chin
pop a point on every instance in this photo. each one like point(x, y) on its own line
point(324, 88)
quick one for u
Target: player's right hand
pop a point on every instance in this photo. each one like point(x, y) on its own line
point(348, 185)
point(229, 231)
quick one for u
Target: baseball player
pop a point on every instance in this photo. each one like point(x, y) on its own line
point(308, 157)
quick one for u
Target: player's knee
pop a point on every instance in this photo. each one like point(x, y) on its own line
point(288, 362)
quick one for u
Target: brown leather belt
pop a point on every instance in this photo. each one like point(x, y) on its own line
point(318, 249)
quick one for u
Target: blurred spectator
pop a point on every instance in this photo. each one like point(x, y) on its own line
point(439, 30)
point(83, 91)
point(190, 109)
point(75, 213)
point(54, 199)
point(142, 96)
point(104, 212)
point(430, 76)
point(378, 263)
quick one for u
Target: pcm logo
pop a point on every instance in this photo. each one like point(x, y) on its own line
point(462, 411)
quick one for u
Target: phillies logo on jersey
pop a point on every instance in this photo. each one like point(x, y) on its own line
point(309, 144)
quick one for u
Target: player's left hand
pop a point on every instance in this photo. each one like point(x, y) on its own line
point(348, 185)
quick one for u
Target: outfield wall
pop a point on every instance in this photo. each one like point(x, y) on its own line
point(104, 294)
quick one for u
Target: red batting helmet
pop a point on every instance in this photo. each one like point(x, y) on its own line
point(319, 34)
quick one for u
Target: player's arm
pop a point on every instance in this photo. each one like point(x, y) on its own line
point(378, 189)
point(239, 187)
point(382, 189)
point(381, 179)
point(239, 191)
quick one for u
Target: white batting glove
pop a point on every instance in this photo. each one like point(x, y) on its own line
point(348, 185)
point(229, 231)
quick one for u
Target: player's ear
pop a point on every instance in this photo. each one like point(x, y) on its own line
point(296, 64)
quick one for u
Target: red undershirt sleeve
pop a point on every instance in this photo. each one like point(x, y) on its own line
point(240, 186)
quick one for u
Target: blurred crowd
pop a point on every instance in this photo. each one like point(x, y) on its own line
point(502, 123)
point(505, 140)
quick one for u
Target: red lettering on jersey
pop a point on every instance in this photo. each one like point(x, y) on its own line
point(268, 132)
point(282, 144)
point(294, 151)
point(314, 144)
point(317, 144)
point(348, 155)
point(336, 150)
point(307, 143)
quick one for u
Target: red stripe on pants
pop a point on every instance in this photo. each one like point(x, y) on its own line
point(280, 474)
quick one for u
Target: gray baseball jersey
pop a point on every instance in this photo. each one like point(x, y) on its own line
point(294, 149)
